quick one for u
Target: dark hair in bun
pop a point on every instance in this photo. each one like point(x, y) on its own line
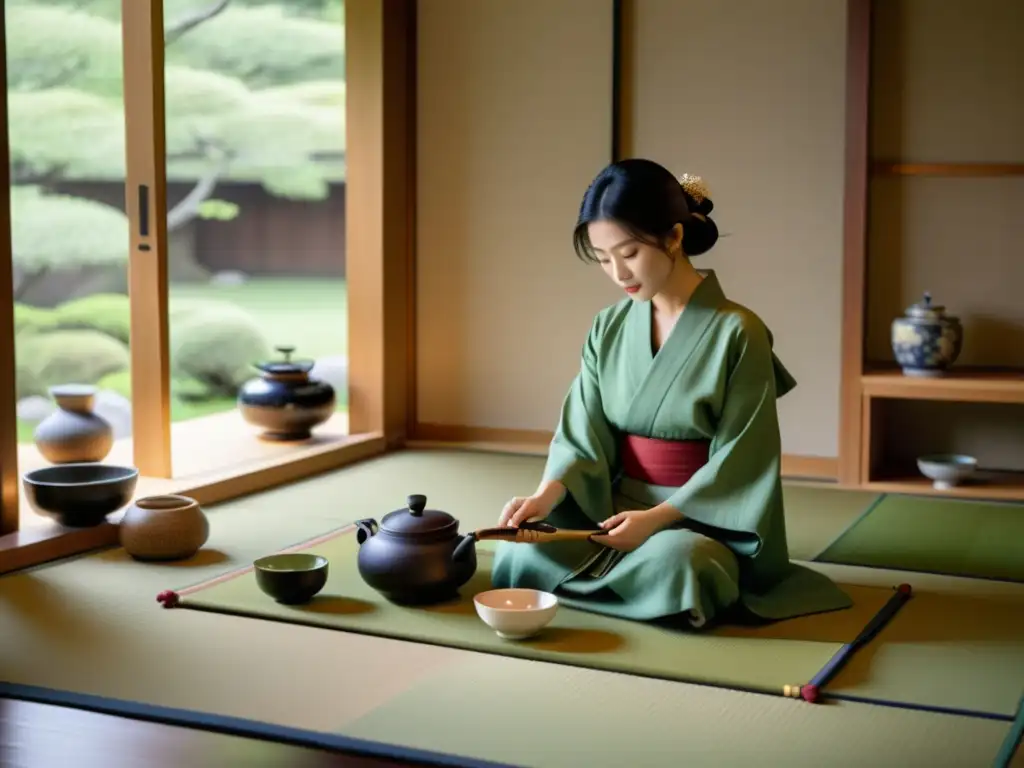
point(647, 201)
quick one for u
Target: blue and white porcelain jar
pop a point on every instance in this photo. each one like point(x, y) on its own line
point(926, 341)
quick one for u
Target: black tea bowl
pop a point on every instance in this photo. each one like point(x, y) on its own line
point(80, 495)
point(291, 578)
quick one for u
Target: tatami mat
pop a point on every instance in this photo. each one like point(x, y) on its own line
point(96, 628)
point(492, 707)
point(765, 658)
point(957, 537)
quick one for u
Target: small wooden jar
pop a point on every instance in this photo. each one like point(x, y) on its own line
point(164, 528)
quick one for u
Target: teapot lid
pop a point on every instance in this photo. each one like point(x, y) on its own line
point(287, 365)
point(926, 309)
point(416, 520)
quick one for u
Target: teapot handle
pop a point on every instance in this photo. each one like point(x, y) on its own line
point(365, 529)
point(465, 548)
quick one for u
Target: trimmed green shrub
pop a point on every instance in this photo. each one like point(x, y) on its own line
point(109, 313)
point(120, 382)
point(184, 389)
point(213, 346)
point(217, 346)
point(29, 319)
point(181, 309)
point(26, 383)
point(189, 390)
point(66, 357)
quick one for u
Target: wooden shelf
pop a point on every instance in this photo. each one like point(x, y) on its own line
point(962, 170)
point(992, 486)
point(876, 436)
point(964, 386)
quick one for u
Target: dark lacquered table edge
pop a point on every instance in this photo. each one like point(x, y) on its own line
point(338, 744)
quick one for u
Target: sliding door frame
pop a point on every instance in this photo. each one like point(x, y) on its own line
point(380, 183)
point(9, 483)
point(142, 30)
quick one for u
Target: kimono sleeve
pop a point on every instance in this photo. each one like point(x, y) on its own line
point(583, 452)
point(738, 492)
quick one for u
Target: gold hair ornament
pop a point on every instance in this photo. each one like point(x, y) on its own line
point(695, 187)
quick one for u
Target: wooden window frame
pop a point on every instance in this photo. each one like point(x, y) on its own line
point(380, 157)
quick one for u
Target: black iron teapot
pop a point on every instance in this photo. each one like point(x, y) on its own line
point(416, 555)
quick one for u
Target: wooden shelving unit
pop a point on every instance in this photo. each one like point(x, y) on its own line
point(874, 453)
point(883, 386)
point(993, 486)
point(882, 391)
point(962, 386)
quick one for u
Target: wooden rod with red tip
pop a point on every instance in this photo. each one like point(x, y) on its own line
point(812, 691)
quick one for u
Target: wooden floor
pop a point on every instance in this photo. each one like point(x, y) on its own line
point(46, 736)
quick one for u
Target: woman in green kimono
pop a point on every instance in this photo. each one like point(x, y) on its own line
point(668, 441)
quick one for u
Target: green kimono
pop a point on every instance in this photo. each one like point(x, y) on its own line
point(715, 378)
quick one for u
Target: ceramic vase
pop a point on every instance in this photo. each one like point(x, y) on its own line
point(164, 528)
point(284, 400)
point(74, 433)
point(926, 341)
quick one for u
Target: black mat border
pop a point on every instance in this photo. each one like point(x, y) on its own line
point(237, 726)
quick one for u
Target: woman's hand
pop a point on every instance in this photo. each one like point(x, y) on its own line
point(628, 530)
point(535, 507)
point(520, 509)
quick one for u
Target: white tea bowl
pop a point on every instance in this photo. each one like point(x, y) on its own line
point(516, 614)
point(947, 470)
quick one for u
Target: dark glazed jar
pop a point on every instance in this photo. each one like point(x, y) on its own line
point(284, 401)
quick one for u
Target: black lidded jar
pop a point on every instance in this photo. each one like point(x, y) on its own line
point(284, 401)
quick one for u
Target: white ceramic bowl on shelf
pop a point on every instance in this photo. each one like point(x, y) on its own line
point(947, 470)
point(516, 614)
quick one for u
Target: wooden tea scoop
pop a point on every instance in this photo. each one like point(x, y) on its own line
point(534, 533)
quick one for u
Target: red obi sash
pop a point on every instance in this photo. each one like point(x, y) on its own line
point(662, 462)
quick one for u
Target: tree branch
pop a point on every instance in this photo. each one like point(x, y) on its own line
point(25, 280)
point(188, 208)
point(76, 66)
point(182, 26)
point(23, 174)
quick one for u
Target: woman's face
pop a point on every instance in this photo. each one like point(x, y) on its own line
point(637, 267)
